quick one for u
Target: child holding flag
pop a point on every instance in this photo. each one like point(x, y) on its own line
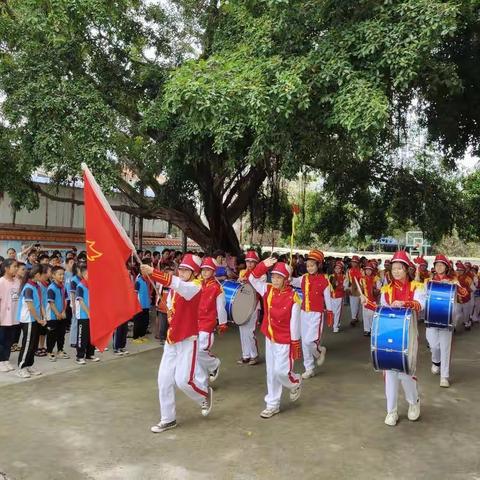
point(179, 366)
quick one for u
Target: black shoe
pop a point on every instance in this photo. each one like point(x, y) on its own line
point(366, 334)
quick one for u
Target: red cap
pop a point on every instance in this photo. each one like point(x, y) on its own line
point(192, 262)
point(316, 255)
point(468, 264)
point(460, 265)
point(282, 269)
point(442, 259)
point(339, 264)
point(252, 255)
point(209, 262)
point(355, 258)
point(402, 256)
point(370, 265)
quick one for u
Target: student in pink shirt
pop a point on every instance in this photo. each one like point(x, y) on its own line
point(9, 293)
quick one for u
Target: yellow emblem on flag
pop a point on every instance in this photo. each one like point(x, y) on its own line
point(92, 254)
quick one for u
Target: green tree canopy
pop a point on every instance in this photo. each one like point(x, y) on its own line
point(217, 98)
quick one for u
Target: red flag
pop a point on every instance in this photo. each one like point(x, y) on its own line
point(113, 300)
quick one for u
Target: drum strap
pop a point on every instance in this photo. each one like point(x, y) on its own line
point(269, 318)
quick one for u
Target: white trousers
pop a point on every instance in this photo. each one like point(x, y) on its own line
point(337, 312)
point(440, 341)
point(461, 313)
point(311, 324)
point(367, 315)
point(354, 307)
point(207, 360)
point(248, 338)
point(279, 372)
point(179, 367)
point(476, 310)
point(409, 385)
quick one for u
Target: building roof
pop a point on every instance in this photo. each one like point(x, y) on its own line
point(65, 236)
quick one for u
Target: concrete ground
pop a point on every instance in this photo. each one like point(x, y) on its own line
point(94, 422)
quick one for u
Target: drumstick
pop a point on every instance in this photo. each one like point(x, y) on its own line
point(359, 288)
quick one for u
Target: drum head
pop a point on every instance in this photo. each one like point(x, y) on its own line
point(243, 304)
point(412, 343)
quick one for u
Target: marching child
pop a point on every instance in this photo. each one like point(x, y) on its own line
point(248, 338)
point(464, 303)
point(354, 272)
point(440, 339)
point(211, 308)
point(315, 307)
point(371, 285)
point(281, 327)
point(179, 366)
point(338, 284)
point(31, 316)
point(56, 315)
point(85, 350)
point(400, 293)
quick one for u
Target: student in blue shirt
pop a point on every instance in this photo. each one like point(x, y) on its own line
point(74, 282)
point(44, 283)
point(30, 314)
point(56, 315)
point(85, 350)
point(142, 318)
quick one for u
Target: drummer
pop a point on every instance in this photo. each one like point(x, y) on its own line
point(210, 308)
point(281, 327)
point(248, 338)
point(400, 293)
point(315, 307)
point(440, 339)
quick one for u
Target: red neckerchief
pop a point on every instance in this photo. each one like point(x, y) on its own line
point(45, 284)
point(37, 287)
point(402, 289)
point(62, 289)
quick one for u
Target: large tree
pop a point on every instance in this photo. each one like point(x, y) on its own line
point(202, 101)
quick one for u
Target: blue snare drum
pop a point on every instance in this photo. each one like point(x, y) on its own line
point(439, 304)
point(240, 300)
point(394, 341)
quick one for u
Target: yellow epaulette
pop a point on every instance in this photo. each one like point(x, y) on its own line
point(386, 288)
point(296, 298)
point(242, 273)
point(414, 285)
point(197, 282)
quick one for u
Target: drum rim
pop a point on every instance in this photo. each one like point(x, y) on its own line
point(452, 295)
point(237, 286)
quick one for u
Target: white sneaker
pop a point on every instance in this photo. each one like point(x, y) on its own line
point(321, 358)
point(391, 419)
point(3, 367)
point(125, 352)
point(295, 393)
point(63, 355)
point(414, 411)
point(207, 403)
point(336, 330)
point(52, 357)
point(80, 361)
point(269, 412)
point(435, 369)
point(33, 371)
point(308, 373)
point(10, 367)
point(444, 382)
point(162, 427)
point(22, 373)
point(93, 359)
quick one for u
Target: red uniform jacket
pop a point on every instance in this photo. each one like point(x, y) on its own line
point(207, 309)
point(183, 314)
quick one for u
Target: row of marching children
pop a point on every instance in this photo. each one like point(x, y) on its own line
point(293, 321)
